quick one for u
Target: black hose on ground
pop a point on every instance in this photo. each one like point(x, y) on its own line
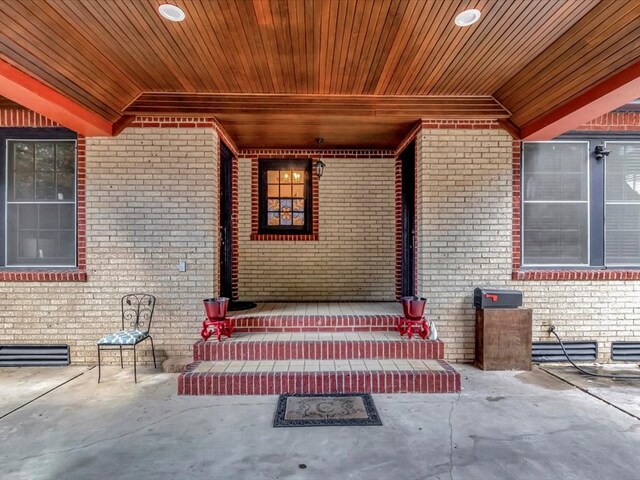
point(552, 329)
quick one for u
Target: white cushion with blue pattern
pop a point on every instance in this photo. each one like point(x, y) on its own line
point(125, 337)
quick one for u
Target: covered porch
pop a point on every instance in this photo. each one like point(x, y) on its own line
point(188, 134)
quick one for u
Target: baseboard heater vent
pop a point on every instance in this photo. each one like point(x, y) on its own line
point(625, 351)
point(552, 351)
point(34, 355)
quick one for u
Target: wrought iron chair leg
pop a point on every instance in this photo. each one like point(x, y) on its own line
point(153, 351)
point(135, 373)
point(121, 362)
point(98, 363)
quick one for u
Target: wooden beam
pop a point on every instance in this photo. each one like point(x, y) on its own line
point(511, 128)
point(608, 95)
point(401, 107)
point(121, 124)
point(35, 95)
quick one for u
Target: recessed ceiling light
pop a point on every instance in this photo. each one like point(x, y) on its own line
point(468, 17)
point(171, 12)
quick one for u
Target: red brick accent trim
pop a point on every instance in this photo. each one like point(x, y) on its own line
point(19, 117)
point(234, 227)
point(317, 350)
point(187, 122)
point(316, 153)
point(614, 122)
point(29, 119)
point(516, 222)
point(398, 212)
point(537, 274)
point(576, 275)
point(461, 124)
point(315, 201)
point(52, 275)
point(272, 383)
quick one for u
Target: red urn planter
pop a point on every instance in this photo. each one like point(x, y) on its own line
point(413, 307)
point(216, 311)
point(413, 321)
point(216, 308)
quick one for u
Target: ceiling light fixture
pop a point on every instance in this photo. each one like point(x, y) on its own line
point(172, 12)
point(468, 17)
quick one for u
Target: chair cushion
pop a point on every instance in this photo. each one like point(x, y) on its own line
point(125, 337)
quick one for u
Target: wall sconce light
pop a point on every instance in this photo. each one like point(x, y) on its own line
point(319, 165)
point(601, 153)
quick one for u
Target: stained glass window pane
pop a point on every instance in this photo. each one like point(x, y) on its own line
point(273, 218)
point(285, 176)
point(274, 205)
point(298, 191)
point(285, 191)
point(298, 205)
point(273, 176)
point(273, 191)
point(298, 218)
point(298, 177)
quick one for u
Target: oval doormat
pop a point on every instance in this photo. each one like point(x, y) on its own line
point(326, 410)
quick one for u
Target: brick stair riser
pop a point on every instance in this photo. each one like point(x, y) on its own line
point(316, 323)
point(325, 329)
point(275, 383)
point(320, 350)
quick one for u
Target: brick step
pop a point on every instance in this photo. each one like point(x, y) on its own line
point(314, 323)
point(317, 346)
point(324, 376)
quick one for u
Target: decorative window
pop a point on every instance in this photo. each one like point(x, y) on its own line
point(285, 191)
point(38, 184)
point(579, 209)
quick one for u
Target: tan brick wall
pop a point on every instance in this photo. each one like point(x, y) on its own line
point(152, 200)
point(355, 255)
point(464, 230)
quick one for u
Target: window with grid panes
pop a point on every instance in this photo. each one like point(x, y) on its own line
point(284, 197)
point(578, 211)
point(39, 198)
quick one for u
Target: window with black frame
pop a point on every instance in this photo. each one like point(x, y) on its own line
point(285, 191)
point(580, 209)
point(39, 196)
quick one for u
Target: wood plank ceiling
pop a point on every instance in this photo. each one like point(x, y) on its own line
point(118, 57)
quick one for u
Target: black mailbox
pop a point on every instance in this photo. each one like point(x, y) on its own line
point(494, 298)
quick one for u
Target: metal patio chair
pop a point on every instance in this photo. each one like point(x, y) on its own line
point(137, 311)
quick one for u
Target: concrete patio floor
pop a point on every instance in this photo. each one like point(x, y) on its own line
point(504, 425)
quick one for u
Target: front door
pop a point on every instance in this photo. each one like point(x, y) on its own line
point(408, 158)
point(226, 229)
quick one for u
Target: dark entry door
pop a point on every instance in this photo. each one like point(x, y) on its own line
point(407, 158)
point(226, 230)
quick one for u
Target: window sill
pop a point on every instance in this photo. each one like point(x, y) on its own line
point(43, 275)
point(576, 274)
point(267, 237)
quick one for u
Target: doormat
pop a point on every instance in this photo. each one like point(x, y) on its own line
point(326, 410)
